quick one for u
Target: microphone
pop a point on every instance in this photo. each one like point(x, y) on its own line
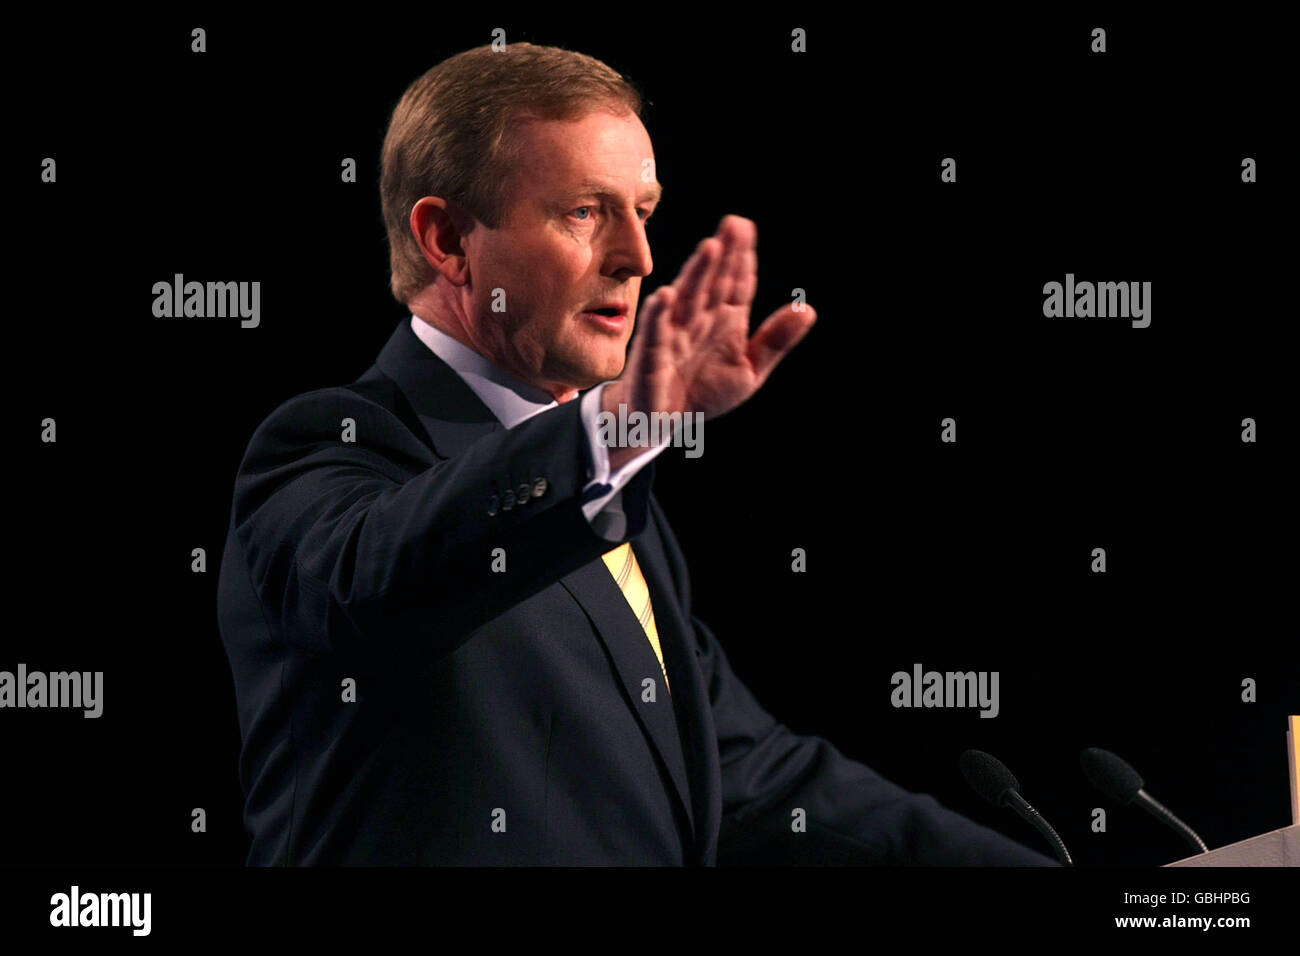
point(1117, 780)
point(990, 778)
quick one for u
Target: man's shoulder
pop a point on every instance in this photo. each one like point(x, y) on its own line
point(375, 393)
point(369, 413)
point(322, 406)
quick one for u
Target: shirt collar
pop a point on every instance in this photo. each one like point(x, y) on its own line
point(509, 399)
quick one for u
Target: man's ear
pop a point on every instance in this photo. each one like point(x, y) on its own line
point(439, 226)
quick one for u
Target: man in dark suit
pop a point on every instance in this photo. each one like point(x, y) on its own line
point(459, 623)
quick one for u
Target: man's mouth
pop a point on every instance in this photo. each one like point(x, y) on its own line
point(610, 317)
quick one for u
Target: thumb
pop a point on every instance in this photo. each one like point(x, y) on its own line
point(780, 332)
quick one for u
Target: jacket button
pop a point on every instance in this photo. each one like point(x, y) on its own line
point(493, 504)
point(507, 500)
point(539, 487)
point(522, 493)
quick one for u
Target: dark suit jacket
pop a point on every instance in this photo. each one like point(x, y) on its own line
point(502, 718)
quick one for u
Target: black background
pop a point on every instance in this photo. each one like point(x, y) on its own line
point(1072, 435)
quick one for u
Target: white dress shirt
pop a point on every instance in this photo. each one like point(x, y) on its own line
point(513, 401)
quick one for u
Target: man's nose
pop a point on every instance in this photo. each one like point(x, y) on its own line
point(629, 250)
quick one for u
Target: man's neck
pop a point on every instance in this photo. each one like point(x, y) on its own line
point(456, 330)
point(453, 329)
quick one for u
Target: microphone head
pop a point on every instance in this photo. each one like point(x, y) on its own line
point(988, 776)
point(1110, 775)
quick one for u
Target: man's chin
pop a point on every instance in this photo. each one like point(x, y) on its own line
point(594, 381)
point(591, 374)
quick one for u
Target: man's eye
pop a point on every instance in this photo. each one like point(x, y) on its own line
point(580, 209)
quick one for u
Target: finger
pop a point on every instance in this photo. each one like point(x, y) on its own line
point(779, 333)
point(744, 281)
point(734, 240)
point(651, 320)
point(692, 276)
point(703, 293)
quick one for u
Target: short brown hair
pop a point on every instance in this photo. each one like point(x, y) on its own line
point(449, 135)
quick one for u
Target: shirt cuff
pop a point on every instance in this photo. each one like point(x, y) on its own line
point(602, 499)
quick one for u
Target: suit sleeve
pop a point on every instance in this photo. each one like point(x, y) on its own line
point(853, 814)
point(375, 548)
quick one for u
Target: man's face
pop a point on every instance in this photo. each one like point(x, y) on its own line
point(573, 239)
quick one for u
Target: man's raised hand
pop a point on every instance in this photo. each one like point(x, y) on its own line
point(692, 351)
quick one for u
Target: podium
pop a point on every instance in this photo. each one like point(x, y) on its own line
point(1275, 848)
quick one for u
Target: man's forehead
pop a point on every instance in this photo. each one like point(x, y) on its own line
point(600, 154)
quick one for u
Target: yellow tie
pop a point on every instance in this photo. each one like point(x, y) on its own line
point(627, 574)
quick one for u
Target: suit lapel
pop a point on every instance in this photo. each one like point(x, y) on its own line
point(593, 587)
point(690, 695)
point(452, 415)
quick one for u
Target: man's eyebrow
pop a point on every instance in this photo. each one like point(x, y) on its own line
point(652, 193)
